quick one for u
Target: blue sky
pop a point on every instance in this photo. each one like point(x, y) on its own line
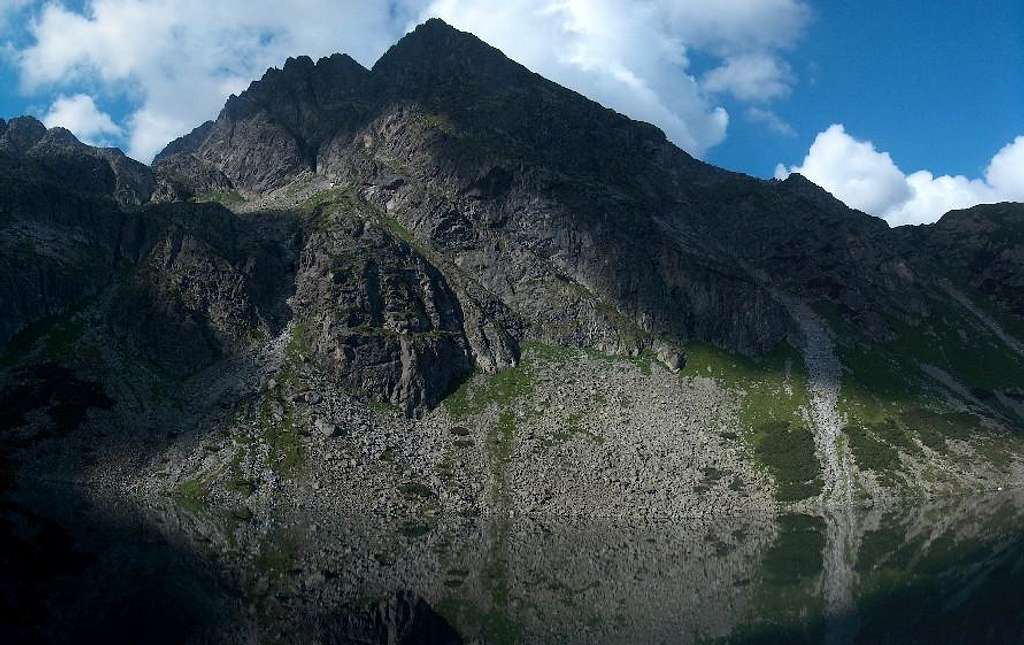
point(903, 109)
point(939, 85)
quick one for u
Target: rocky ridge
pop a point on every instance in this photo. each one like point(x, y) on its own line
point(279, 306)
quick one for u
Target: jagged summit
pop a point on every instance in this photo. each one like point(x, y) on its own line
point(798, 184)
point(1001, 213)
point(481, 93)
point(337, 72)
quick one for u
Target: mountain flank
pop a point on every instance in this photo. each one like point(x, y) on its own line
point(448, 285)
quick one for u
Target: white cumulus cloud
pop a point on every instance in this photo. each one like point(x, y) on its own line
point(80, 115)
point(1005, 173)
point(175, 61)
point(869, 180)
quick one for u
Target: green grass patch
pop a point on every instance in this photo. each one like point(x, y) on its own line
point(571, 427)
point(886, 396)
point(298, 349)
point(787, 450)
point(237, 482)
point(414, 530)
point(278, 418)
point(774, 390)
point(223, 197)
point(192, 493)
point(872, 453)
point(281, 436)
point(954, 340)
point(711, 474)
point(279, 552)
point(499, 450)
point(500, 388)
point(548, 353)
point(338, 196)
point(399, 230)
point(384, 408)
point(439, 122)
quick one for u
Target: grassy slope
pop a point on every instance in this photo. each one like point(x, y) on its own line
point(899, 416)
point(903, 428)
point(773, 391)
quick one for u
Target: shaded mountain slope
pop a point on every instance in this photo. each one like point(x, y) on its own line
point(343, 243)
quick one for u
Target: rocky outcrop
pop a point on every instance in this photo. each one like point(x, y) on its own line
point(378, 316)
point(18, 135)
point(186, 144)
point(274, 130)
point(183, 177)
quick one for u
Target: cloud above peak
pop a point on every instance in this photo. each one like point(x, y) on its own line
point(633, 55)
point(867, 179)
point(80, 115)
point(175, 61)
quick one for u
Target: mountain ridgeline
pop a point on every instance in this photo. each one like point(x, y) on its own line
point(290, 292)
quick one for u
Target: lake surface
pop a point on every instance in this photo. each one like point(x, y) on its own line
point(82, 571)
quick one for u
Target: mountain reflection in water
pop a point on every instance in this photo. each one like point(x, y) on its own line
point(87, 571)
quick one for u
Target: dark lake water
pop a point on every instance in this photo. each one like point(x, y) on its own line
point(83, 571)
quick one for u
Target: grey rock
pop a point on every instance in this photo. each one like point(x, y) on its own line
point(327, 428)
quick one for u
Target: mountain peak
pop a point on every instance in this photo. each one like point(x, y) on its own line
point(437, 28)
point(800, 185)
point(1004, 216)
point(438, 47)
point(304, 63)
point(21, 133)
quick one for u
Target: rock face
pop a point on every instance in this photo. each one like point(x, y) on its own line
point(204, 284)
point(983, 245)
point(58, 246)
point(378, 316)
point(394, 229)
point(533, 202)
